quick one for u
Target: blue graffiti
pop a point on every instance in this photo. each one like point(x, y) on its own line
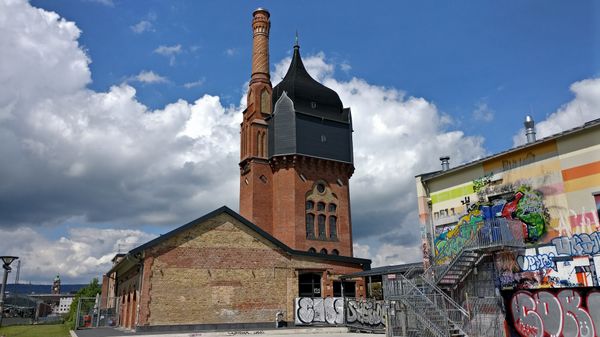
point(536, 262)
point(578, 244)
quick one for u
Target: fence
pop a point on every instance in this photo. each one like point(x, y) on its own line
point(19, 310)
point(487, 317)
point(92, 314)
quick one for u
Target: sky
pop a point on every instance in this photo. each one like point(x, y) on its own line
point(119, 120)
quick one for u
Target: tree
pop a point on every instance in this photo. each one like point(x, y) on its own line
point(91, 290)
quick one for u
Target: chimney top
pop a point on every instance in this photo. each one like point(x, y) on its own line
point(445, 163)
point(529, 129)
point(260, 9)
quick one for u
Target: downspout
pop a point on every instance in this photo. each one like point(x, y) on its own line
point(139, 298)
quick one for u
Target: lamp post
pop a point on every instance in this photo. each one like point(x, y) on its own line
point(6, 261)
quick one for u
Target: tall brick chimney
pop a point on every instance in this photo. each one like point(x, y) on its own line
point(260, 47)
point(255, 172)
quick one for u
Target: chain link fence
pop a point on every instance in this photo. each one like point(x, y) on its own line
point(92, 313)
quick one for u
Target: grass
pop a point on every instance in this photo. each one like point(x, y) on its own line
point(54, 330)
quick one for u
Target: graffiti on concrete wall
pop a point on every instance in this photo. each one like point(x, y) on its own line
point(328, 310)
point(522, 203)
point(365, 312)
point(567, 312)
point(318, 311)
point(566, 261)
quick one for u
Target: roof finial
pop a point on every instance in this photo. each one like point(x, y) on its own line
point(296, 45)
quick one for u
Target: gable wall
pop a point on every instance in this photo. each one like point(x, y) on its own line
point(221, 272)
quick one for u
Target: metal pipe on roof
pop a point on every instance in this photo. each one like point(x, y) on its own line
point(529, 129)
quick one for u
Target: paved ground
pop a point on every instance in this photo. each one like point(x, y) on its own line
point(301, 332)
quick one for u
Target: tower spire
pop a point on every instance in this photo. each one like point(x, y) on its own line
point(296, 42)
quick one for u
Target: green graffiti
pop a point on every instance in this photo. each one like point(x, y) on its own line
point(531, 210)
point(480, 183)
point(450, 243)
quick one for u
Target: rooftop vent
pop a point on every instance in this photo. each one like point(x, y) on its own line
point(445, 163)
point(529, 129)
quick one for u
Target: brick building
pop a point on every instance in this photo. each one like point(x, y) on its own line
point(293, 237)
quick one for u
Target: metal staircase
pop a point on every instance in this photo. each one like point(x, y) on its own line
point(493, 235)
point(435, 313)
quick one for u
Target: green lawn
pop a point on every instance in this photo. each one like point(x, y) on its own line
point(54, 330)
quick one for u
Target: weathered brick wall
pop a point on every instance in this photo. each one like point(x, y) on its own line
point(221, 272)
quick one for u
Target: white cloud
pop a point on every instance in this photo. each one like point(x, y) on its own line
point(194, 84)
point(483, 112)
point(109, 3)
point(231, 51)
point(583, 108)
point(149, 77)
point(169, 51)
point(84, 253)
point(142, 26)
point(346, 67)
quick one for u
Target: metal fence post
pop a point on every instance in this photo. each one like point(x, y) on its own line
point(77, 316)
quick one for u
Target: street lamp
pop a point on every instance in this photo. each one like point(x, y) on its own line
point(6, 261)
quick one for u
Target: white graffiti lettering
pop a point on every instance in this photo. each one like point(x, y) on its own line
point(536, 262)
point(328, 310)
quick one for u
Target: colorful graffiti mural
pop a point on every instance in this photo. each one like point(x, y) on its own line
point(568, 312)
point(523, 204)
point(567, 261)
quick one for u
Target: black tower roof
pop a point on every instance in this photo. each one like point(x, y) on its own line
point(308, 118)
point(305, 92)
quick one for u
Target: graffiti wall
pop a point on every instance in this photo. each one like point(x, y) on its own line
point(311, 311)
point(553, 312)
point(521, 203)
point(334, 311)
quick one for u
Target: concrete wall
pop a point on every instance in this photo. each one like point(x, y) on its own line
point(551, 188)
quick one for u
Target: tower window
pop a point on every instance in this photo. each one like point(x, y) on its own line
point(335, 252)
point(321, 206)
point(332, 208)
point(324, 251)
point(321, 188)
point(313, 105)
point(310, 226)
point(332, 227)
point(310, 205)
point(322, 234)
point(312, 250)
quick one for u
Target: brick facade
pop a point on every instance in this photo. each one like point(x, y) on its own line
point(220, 271)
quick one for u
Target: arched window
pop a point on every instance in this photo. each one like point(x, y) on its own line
point(312, 250)
point(322, 234)
point(265, 146)
point(321, 206)
point(332, 208)
point(335, 252)
point(324, 251)
point(310, 205)
point(310, 226)
point(332, 227)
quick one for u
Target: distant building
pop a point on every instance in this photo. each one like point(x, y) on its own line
point(522, 224)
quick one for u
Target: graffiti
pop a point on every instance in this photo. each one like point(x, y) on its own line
point(365, 312)
point(480, 183)
point(238, 333)
point(536, 262)
point(525, 205)
point(328, 310)
point(545, 313)
point(578, 244)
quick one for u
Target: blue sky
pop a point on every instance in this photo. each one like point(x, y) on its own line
point(119, 120)
point(517, 57)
